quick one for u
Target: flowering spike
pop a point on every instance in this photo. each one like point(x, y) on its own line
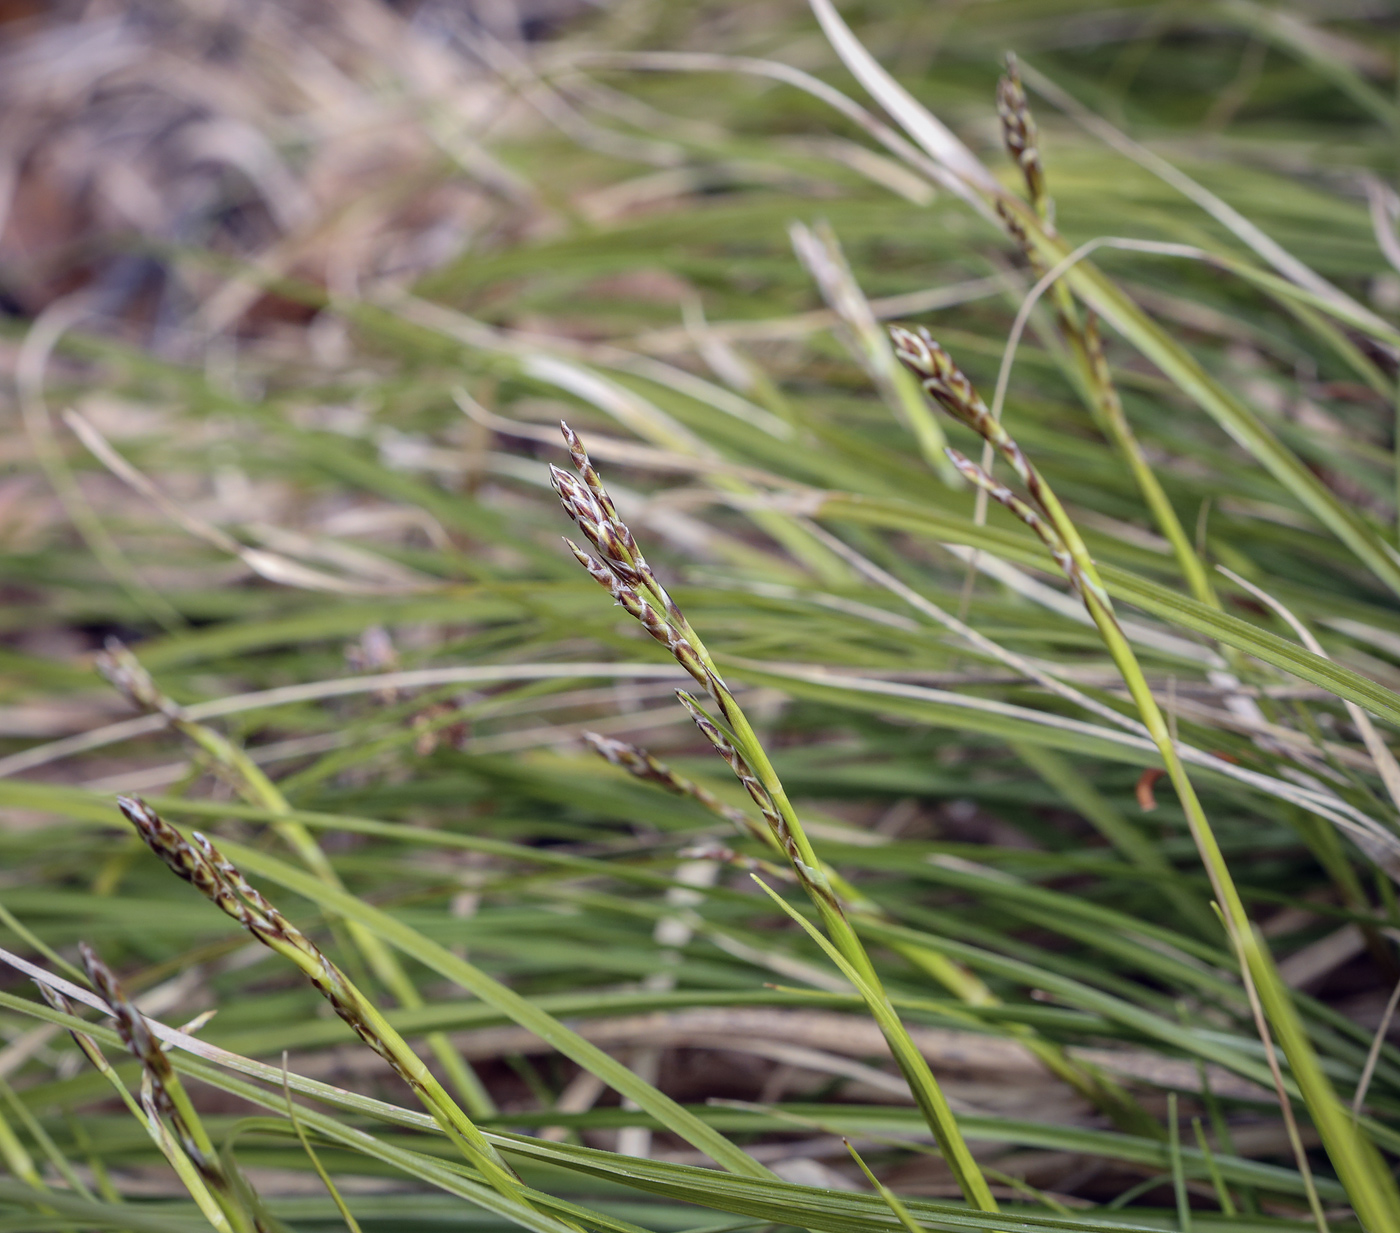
point(592, 510)
point(942, 379)
point(742, 772)
point(1004, 496)
point(585, 468)
point(1022, 139)
point(131, 1024)
point(945, 382)
point(647, 616)
point(128, 676)
point(643, 765)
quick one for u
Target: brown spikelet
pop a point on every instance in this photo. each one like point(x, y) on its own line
point(634, 760)
point(131, 1024)
point(742, 772)
point(254, 911)
point(948, 385)
point(940, 377)
point(585, 468)
point(593, 511)
point(631, 602)
point(211, 873)
point(1022, 138)
point(644, 766)
point(158, 1077)
point(207, 869)
point(587, 503)
point(167, 843)
point(577, 501)
point(126, 674)
point(1004, 496)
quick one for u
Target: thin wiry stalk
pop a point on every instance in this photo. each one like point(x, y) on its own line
point(1381, 757)
point(625, 574)
point(1222, 1192)
point(1373, 1054)
point(895, 1205)
point(346, 1215)
point(1115, 424)
point(1369, 1183)
point(1290, 1122)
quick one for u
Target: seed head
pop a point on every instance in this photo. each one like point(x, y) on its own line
point(252, 902)
point(1019, 132)
point(131, 1024)
point(942, 379)
point(706, 725)
point(211, 873)
point(125, 673)
point(631, 758)
point(644, 766)
point(631, 602)
point(577, 501)
point(167, 843)
point(585, 468)
point(947, 384)
point(1004, 496)
point(588, 504)
point(742, 771)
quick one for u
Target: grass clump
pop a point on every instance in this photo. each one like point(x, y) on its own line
point(1053, 882)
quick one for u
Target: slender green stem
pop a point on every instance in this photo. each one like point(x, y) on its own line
point(1115, 423)
point(1222, 1192)
point(1183, 1200)
point(1368, 1181)
point(927, 1093)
